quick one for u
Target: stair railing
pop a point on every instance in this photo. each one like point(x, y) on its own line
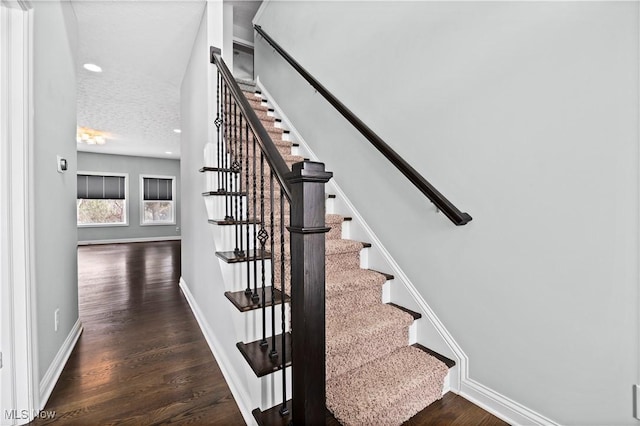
point(260, 192)
point(440, 201)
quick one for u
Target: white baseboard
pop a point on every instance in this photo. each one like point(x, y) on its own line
point(129, 240)
point(52, 375)
point(241, 398)
point(500, 406)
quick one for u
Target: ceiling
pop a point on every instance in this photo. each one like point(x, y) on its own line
point(143, 48)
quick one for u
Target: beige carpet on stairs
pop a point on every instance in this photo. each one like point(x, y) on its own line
point(373, 376)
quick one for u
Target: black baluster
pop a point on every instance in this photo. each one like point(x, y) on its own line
point(273, 353)
point(240, 187)
point(218, 122)
point(247, 291)
point(262, 236)
point(235, 170)
point(284, 410)
point(227, 130)
point(255, 297)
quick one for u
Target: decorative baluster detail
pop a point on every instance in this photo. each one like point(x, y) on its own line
point(273, 353)
point(284, 410)
point(263, 235)
point(255, 297)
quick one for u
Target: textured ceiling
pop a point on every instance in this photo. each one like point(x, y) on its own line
point(143, 48)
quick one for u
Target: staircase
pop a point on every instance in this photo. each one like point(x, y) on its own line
point(373, 375)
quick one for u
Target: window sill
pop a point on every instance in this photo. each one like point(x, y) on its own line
point(101, 225)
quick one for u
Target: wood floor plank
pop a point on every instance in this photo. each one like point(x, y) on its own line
point(141, 359)
point(453, 410)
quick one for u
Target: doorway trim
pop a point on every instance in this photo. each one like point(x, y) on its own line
point(20, 387)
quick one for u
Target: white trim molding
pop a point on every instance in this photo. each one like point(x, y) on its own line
point(129, 240)
point(242, 399)
point(460, 383)
point(499, 405)
point(52, 375)
point(19, 345)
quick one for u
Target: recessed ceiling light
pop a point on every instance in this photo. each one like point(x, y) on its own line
point(168, 152)
point(177, 130)
point(92, 67)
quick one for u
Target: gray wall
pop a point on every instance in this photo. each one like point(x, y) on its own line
point(200, 267)
point(134, 166)
point(54, 86)
point(526, 116)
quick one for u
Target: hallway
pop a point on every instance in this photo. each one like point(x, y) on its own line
point(141, 358)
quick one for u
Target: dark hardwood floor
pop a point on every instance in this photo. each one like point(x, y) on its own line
point(142, 359)
point(454, 410)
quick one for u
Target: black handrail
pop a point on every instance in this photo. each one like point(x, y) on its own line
point(274, 158)
point(441, 202)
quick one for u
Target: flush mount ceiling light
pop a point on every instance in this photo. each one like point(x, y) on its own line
point(92, 67)
point(177, 131)
point(168, 152)
point(90, 136)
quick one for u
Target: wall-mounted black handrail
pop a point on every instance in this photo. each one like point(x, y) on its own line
point(274, 158)
point(441, 202)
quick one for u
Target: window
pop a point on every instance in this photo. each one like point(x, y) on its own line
point(158, 204)
point(102, 199)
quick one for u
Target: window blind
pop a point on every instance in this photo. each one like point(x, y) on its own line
point(101, 187)
point(157, 189)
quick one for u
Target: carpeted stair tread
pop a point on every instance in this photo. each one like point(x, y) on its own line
point(388, 390)
point(257, 107)
point(362, 335)
point(352, 290)
point(332, 218)
point(277, 142)
point(333, 247)
point(293, 158)
point(377, 319)
point(342, 246)
point(344, 303)
point(352, 280)
point(250, 94)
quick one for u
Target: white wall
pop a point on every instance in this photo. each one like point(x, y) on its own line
point(200, 267)
point(134, 167)
point(526, 116)
point(54, 85)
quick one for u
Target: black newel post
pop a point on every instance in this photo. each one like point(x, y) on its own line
point(307, 291)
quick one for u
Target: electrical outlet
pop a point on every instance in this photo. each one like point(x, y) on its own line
point(56, 319)
point(177, 229)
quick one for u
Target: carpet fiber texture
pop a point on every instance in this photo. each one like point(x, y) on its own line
point(373, 376)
